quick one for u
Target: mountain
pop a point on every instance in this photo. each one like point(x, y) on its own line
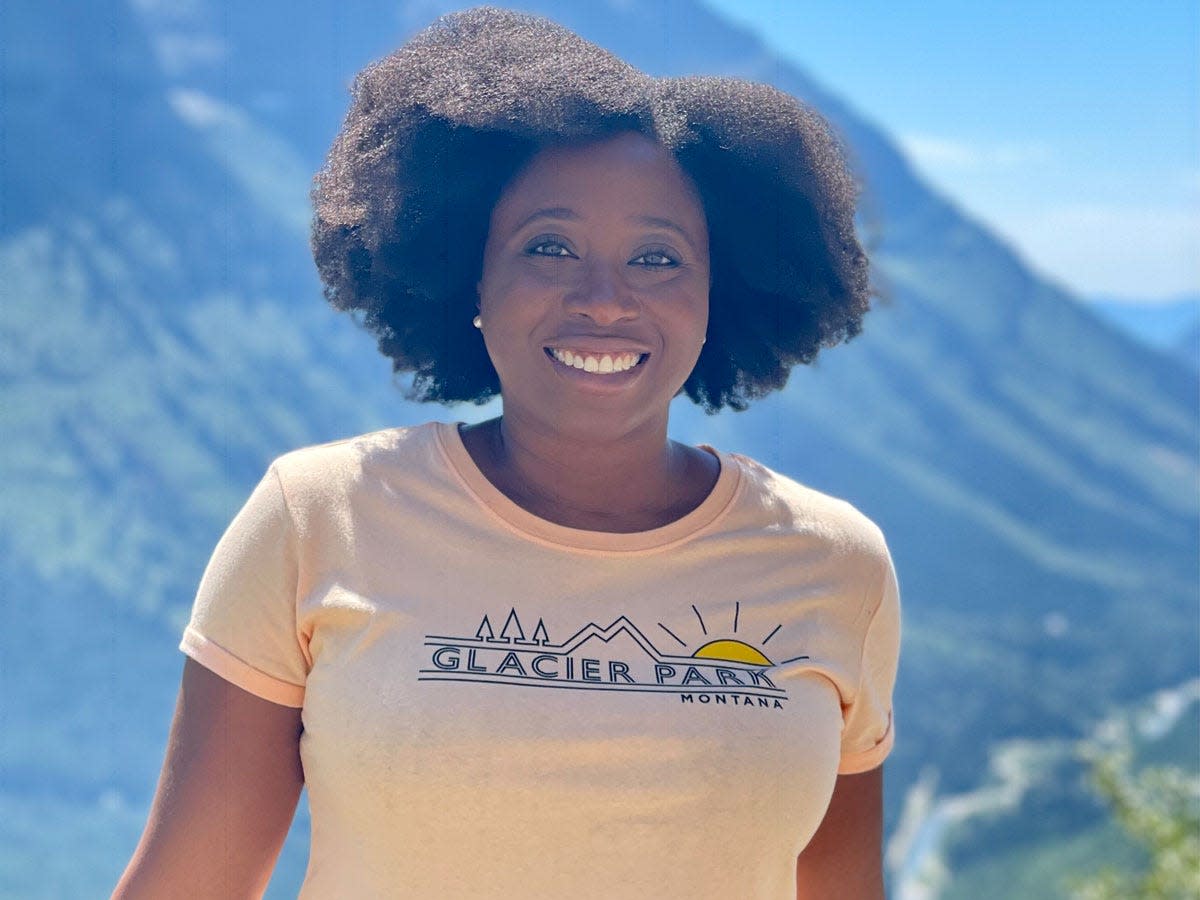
point(1172, 325)
point(152, 361)
point(162, 337)
point(1186, 345)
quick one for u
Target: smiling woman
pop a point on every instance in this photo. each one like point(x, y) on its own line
point(593, 305)
point(704, 702)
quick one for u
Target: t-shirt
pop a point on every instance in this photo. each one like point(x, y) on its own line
point(495, 705)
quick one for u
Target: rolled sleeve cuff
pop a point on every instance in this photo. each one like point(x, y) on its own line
point(866, 760)
point(220, 661)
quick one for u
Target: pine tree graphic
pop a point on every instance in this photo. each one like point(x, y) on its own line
point(485, 632)
point(512, 630)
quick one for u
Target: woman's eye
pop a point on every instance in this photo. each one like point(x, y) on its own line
point(654, 259)
point(548, 248)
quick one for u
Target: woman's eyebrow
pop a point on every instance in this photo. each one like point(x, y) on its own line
point(549, 212)
point(668, 224)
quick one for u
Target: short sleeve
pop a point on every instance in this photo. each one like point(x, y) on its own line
point(243, 623)
point(869, 731)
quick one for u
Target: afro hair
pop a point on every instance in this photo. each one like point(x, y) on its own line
point(438, 128)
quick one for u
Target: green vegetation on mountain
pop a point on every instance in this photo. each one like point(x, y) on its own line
point(1159, 809)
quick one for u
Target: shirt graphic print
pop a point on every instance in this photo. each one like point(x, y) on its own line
point(724, 670)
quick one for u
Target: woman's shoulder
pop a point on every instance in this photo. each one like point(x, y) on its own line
point(332, 469)
point(790, 505)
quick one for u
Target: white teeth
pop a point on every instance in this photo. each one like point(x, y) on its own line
point(605, 364)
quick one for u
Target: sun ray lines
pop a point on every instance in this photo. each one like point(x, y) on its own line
point(730, 648)
point(672, 634)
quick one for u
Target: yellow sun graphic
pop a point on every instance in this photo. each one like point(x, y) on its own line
point(734, 651)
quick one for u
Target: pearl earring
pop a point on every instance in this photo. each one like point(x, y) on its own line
point(477, 322)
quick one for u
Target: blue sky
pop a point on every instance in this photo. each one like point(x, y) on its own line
point(1071, 128)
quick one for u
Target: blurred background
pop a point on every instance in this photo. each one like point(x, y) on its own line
point(1021, 415)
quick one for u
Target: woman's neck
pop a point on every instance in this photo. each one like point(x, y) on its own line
point(632, 482)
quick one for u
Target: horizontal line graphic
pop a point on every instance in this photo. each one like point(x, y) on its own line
point(562, 683)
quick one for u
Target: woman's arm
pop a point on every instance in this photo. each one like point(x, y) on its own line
point(226, 796)
point(844, 859)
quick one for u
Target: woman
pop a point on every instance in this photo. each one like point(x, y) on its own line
point(555, 653)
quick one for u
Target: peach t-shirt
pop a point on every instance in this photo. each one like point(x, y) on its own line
point(498, 706)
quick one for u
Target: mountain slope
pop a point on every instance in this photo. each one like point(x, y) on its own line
point(1173, 326)
point(152, 360)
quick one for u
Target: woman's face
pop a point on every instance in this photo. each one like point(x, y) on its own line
point(594, 291)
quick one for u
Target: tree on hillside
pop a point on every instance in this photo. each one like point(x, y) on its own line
point(1158, 808)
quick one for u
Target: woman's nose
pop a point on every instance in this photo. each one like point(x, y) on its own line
point(602, 294)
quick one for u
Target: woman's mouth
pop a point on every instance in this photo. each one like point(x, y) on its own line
point(597, 363)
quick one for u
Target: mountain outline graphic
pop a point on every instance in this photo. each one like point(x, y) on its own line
point(484, 638)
